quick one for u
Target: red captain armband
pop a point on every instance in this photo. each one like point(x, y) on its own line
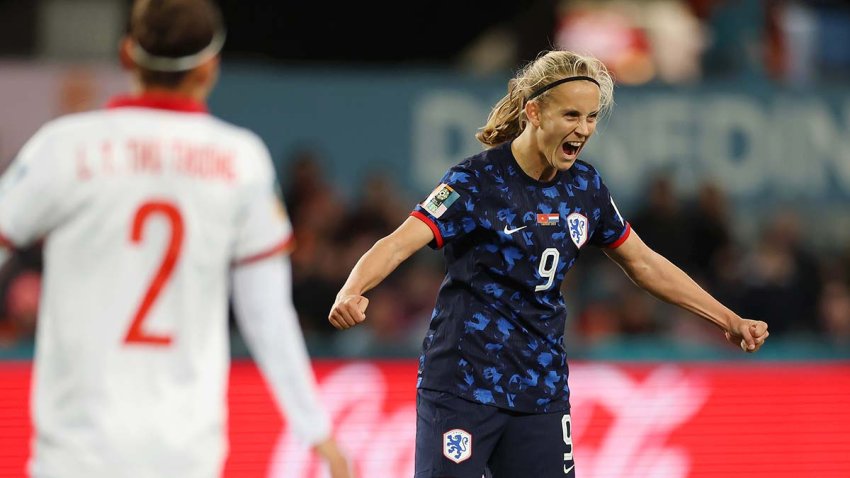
point(438, 238)
point(619, 242)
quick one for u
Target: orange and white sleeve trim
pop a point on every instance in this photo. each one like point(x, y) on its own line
point(285, 246)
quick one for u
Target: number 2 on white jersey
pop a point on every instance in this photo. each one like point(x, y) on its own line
point(547, 268)
point(136, 334)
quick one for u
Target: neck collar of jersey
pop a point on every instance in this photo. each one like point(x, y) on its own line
point(158, 101)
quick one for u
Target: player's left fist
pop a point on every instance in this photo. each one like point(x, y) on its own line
point(749, 334)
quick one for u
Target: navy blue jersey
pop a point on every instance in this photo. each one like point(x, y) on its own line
point(497, 331)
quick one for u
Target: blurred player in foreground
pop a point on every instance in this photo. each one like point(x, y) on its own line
point(145, 209)
point(492, 389)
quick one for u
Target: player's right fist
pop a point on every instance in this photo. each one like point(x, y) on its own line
point(348, 311)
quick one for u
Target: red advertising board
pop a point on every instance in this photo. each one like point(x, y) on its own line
point(629, 420)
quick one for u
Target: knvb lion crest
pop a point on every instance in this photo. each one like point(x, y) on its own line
point(577, 225)
point(457, 445)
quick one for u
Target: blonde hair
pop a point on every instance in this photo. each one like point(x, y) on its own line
point(507, 119)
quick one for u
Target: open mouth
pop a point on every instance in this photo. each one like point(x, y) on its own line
point(571, 148)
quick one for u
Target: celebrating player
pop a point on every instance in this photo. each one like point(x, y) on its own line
point(492, 389)
point(145, 210)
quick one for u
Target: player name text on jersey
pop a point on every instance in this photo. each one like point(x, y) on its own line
point(152, 157)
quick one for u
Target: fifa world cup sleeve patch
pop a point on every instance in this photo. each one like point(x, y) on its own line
point(440, 200)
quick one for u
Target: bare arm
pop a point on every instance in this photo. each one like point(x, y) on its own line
point(375, 265)
point(658, 276)
point(269, 324)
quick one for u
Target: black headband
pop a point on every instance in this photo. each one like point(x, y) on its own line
point(542, 90)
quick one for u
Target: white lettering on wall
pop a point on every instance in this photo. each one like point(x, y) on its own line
point(444, 127)
point(732, 147)
point(831, 143)
point(782, 145)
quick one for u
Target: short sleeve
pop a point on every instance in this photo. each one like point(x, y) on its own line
point(263, 228)
point(31, 193)
point(449, 209)
point(611, 229)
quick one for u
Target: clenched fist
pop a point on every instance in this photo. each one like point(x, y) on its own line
point(749, 334)
point(348, 311)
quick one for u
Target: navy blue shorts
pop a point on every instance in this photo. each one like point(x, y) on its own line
point(456, 438)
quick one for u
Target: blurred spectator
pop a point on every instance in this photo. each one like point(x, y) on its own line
point(312, 201)
point(402, 305)
point(775, 41)
point(611, 32)
point(832, 38)
point(662, 223)
point(636, 313)
point(379, 207)
point(640, 41)
point(316, 210)
point(22, 301)
point(834, 313)
point(710, 232)
point(592, 291)
point(782, 282)
point(727, 275)
point(782, 39)
point(678, 39)
point(798, 25)
point(20, 287)
point(331, 235)
point(315, 281)
point(412, 291)
point(690, 335)
point(596, 324)
point(419, 283)
point(736, 39)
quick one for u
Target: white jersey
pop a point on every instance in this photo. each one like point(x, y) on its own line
point(143, 209)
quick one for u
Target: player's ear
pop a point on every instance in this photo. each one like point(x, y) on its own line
point(124, 53)
point(206, 74)
point(532, 112)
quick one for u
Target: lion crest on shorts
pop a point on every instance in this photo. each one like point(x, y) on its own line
point(457, 445)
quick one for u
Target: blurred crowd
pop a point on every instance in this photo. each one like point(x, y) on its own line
point(802, 292)
point(778, 276)
point(791, 42)
point(331, 233)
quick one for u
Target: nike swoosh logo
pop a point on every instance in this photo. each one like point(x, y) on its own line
point(511, 231)
point(567, 470)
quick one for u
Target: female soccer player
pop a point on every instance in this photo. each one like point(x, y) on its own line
point(492, 389)
point(150, 210)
